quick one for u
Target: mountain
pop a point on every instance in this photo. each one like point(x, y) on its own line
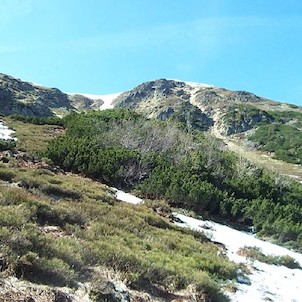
point(25, 98)
point(200, 105)
point(65, 235)
point(245, 122)
point(264, 131)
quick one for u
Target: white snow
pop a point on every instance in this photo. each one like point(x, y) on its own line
point(199, 85)
point(264, 282)
point(195, 85)
point(106, 98)
point(127, 197)
point(5, 132)
point(268, 282)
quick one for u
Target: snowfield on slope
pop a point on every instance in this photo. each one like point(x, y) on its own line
point(265, 282)
point(126, 197)
point(106, 98)
point(5, 132)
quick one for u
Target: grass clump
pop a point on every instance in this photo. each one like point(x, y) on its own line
point(57, 242)
point(6, 174)
point(256, 254)
point(33, 138)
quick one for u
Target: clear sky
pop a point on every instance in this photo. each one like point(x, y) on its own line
point(106, 46)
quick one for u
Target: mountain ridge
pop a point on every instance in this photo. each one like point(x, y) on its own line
point(231, 116)
point(60, 227)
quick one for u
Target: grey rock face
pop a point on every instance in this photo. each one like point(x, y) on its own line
point(25, 98)
point(111, 291)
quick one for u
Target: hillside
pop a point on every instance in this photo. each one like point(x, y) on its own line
point(248, 124)
point(65, 237)
point(242, 120)
point(25, 98)
point(64, 234)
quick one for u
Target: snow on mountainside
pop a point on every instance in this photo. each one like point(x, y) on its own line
point(263, 282)
point(106, 98)
point(5, 132)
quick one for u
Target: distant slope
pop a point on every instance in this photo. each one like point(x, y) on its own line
point(26, 98)
point(20, 97)
point(232, 116)
point(234, 111)
point(257, 128)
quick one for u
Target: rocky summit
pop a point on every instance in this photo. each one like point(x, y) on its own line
point(199, 105)
point(25, 98)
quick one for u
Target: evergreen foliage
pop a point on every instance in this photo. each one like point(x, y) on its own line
point(7, 145)
point(37, 120)
point(282, 136)
point(167, 161)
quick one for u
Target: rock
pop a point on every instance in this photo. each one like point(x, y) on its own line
point(111, 291)
point(165, 114)
point(60, 296)
point(19, 97)
point(243, 280)
point(175, 219)
point(3, 263)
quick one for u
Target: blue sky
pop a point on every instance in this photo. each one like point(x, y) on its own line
point(100, 46)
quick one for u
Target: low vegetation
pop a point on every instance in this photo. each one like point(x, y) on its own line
point(284, 141)
point(7, 145)
point(54, 236)
point(165, 160)
point(256, 254)
point(33, 138)
point(55, 226)
point(38, 120)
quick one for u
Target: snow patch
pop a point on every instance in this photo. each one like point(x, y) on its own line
point(106, 98)
point(126, 197)
point(194, 84)
point(266, 282)
point(5, 132)
point(199, 85)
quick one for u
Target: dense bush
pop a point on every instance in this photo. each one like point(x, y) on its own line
point(164, 160)
point(7, 145)
point(52, 120)
point(283, 137)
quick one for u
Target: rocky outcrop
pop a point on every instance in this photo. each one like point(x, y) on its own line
point(83, 103)
point(155, 90)
point(110, 291)
point(25, 98)
point(243, 125)
point(243, 118)
point(191, 103)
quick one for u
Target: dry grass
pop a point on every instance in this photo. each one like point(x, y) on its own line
point(94, 230)
point(33, 138)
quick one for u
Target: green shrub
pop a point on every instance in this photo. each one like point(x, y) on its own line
point(7, 145)
point(255, 253)
point(52, 271)
point(57, 191)
point(7, 175)
point(52, 120)
point(58, 215)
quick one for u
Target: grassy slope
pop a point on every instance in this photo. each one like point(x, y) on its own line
point(92, 229)
point(33, 138)
point(238, 144)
